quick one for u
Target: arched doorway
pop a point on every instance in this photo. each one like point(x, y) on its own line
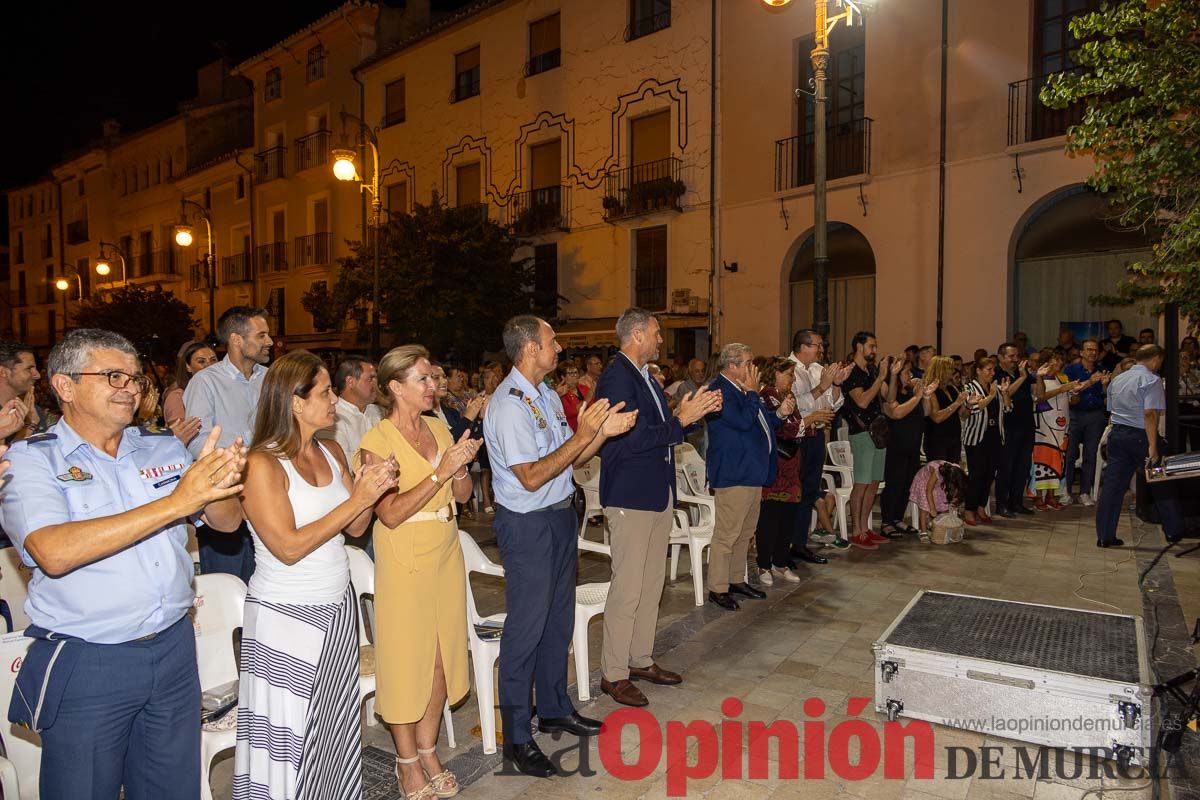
point(1067, 249)
point(851, 287)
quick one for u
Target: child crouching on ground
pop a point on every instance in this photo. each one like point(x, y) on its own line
point(938, 487)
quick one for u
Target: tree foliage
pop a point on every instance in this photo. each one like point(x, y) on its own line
point(448, 278)
point(157, 322)
point(1141, 84)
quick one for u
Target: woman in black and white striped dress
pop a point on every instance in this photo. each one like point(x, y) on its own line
point(982, 433)
point(298, 704)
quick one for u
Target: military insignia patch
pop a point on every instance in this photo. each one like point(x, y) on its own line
point(75, 474)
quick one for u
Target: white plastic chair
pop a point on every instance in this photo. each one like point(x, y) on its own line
point(587, 478)
point(684, 535)
point(692, 492)
point(362, 577)
point(590, 599)
point(484, 652)
point(218, 609)
point(685, 454)
point(19, 772)
point(841, 463)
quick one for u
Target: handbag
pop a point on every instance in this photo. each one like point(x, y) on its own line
point(879, 430)
point(947, 528)
point(788, 448)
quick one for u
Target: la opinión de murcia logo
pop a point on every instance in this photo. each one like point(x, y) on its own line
point(851, 750)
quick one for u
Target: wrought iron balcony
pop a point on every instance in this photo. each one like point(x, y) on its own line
point(847, 152)
point(270, 163)
point(314, 249)
point(1029, 120)
point(312, 150)
point(540, 211)
point(77, 231)
point(644, 189)
point(273, 257)
point(196, 276)
point(157, 262)
point(237, 268)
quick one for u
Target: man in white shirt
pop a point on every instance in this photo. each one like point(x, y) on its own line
point(356, 385)
point(817, 390)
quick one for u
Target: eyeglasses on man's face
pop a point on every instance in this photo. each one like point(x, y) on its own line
point(119, 380)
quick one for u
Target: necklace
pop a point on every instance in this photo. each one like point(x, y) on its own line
point(416, 443)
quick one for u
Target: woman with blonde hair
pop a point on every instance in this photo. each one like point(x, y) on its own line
point(943, 429)
point(298, 705)
point(420, 591)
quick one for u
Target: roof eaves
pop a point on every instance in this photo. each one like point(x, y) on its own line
point(262, 55)
point(437, 27)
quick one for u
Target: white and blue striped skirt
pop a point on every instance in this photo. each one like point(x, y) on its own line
point(298, 734)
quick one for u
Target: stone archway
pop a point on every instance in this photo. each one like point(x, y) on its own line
point(851, 286)
point(1066, 249)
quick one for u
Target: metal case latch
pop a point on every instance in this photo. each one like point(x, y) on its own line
point(888, 670)
point(894, 709)
point(1129, 713)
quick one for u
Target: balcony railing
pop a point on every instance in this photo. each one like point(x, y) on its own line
point(313, 249)
point(847, 152)
point(644, 189)
point(1029, 120)
point(157, 262)
point(77, 231)
point(143, 264)
point(644, 26)
point(540, 211)
point(473, 212)
point(237, 268)
point(270, 163)
point(312, 150)
point(273, 257)
point(196, 276)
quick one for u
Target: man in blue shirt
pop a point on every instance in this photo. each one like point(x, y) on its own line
point(1088, 418)
point(532, 450)
point(99, 509)
point(1136, 400)
point(226, 395)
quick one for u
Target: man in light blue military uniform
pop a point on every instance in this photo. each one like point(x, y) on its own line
point(99, 509)
point(1136, 399)
point(532, 450)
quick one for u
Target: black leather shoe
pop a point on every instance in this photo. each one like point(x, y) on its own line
point(1023, 510)
point(1004, 512)
point(724, 600)
point(528, 758)
point(746, 590)
point(1110, 543)
point(574, 724)
point(804, 554)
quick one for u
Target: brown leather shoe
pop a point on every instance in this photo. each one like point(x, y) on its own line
point(624, 692)
point(656, 674)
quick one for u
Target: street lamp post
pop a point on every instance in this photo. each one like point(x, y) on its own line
point(184, 238)
point(345, 170)
point(64, 286)
point(103, 268)
point(823, 25)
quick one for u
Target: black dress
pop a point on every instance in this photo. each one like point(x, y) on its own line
point(943, 440)
point(903, 458)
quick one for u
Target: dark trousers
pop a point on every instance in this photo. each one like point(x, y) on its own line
point(232, 553)
point(899, 469)
point(1127, 451)
point(538, 551)
point(1085, 429)
point(130, 716)
point(776, 522)
point(1016, 462)
point(982, 463)
point(812, 455)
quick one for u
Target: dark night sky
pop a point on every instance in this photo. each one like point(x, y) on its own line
point(67, 66)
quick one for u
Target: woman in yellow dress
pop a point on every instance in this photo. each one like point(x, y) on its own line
point(420, 595)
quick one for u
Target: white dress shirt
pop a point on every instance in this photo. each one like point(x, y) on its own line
point(351, 426)
point(804, 380)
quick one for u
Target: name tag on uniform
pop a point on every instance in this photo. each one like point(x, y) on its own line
point(167, 481)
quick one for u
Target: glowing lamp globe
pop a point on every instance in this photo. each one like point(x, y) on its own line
point(102, 268)
point(343, 165)
point(62, 285)
point(183, 235)
point(777, 3)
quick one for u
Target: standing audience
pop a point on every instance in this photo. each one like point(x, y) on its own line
point(193, 357)
point(19, 375)
point(572, 394)
point(355, 413)
point(1016, 458)
point(983, 436)
point(864, 385)
point(1087, 418)
point(780, 498)
point(905, 405)
point(1052, 390)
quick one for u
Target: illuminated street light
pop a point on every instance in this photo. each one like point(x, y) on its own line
point(184, 238)
point(104, 261)
point(62, 284)
point(183, 235)
point(343, 165)
point(102, 268)
point(345, 170)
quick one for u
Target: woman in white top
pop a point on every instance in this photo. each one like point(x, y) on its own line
point(983, 435)
point(298, 704)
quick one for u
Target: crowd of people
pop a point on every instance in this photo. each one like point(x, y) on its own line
point(277, 462)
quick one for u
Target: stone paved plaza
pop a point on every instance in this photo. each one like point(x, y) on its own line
point(813, 640)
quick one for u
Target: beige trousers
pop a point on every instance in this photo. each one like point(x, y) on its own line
point(737, 517)
point(639, 567)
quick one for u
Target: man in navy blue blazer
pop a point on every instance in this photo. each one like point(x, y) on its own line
point(741, 461)
point(637, 484)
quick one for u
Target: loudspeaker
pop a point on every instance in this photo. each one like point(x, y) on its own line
point(1186, 492)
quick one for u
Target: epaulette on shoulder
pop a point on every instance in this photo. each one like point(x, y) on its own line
point(517, 393)
point(41, 438)
point(149, 430)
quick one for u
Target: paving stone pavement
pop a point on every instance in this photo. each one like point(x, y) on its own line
point(813, 640)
